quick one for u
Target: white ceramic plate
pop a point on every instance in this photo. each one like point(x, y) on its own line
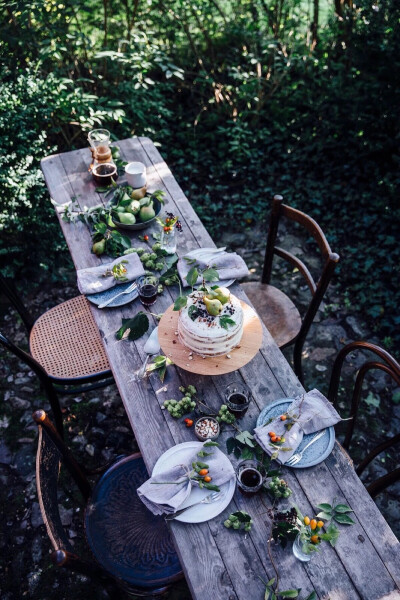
point(203, 512)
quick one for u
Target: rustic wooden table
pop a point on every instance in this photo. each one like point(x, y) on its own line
point(221, 563)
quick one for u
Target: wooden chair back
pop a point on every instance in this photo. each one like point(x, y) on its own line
point(51, 453)
point(317, 289)
point(390, 366)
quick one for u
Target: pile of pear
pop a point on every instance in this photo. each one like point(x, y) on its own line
point(140, 209)
point(215, 300)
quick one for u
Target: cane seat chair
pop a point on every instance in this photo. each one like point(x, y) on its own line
point(129, 546)
point(279, 313)
point(390, 366)
point(66, 350)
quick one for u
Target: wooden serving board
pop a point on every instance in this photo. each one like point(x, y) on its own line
point(182, 357)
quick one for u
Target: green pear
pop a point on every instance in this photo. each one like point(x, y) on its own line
point(138, 193)
point(126, 218)
point(134, 207)
point(120, 209)
point(99, 247)
point(147, 213)
point(214, 307)
point(222, 294)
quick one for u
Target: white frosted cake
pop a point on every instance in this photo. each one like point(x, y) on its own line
point(210, 334)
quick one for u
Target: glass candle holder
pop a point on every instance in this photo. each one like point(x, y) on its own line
point(147, 286)
point(298, 550)
point(250, 477)
point(168, 241)
point(237, 398)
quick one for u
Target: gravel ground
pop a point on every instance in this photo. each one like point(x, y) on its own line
point(99, 429)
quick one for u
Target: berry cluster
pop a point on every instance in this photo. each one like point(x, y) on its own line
point(236, 520)
point(312, 529)
point(171, 217)
point(177, 408)
point(289, 516)
point(279, 488)
point(225, 416)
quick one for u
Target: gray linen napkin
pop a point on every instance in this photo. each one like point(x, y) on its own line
point(168, 497)
point(313, 412)
point(228, 264)
point(91, 280)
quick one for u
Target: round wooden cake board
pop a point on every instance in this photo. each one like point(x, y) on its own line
point(183, 358)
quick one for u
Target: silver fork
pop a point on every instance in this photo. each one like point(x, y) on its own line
point(128, 290)
point(293, 460)
point(207, 500)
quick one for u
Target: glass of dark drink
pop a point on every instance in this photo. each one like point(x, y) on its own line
point(148, 289)
point(250, 476)
point(237, 398)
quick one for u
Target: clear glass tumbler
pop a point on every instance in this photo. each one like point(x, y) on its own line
point(99, 140)
point(250, 477)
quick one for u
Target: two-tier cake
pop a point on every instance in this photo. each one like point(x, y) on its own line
point(211, 324)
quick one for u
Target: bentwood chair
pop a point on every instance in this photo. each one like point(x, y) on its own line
point(275, 308)
point(390, 366)
point(66, 351)
point(129, 546)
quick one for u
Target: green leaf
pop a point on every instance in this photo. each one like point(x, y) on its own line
point(211, 486)
point(137, 327)
point(180, 302)
point(192, 276)
point(209, 444)
point(231, 444)
point(242, 515)
point(325, 507)
point(312, 596)
point(193, 312)
point(162, 372)
point(247, 453)
point(210, 275)
point(396, 397)
point(372, 400)
point(324, 515)
point(343, 508)
point(344, 519)
point(224, 321)
point(246, 438)
point(271, 582)
point(289, 594)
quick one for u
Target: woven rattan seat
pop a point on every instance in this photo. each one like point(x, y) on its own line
point(66, 341)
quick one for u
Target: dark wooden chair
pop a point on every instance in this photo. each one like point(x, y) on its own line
point(132, 548)
point(66, 350)
point(390, 366)
point(275, 308)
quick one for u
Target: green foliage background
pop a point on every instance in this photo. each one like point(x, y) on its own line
point(242, 104)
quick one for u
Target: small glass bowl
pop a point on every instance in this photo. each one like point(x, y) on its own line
point(206, 424)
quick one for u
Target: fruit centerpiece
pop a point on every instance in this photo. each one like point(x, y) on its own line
point(135, 208)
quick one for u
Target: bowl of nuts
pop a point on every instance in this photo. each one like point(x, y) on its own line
point(206, 428)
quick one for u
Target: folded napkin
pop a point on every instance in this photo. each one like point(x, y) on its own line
point(92, 280)
point(228, 264)
point(161, 494)
point(311, 412)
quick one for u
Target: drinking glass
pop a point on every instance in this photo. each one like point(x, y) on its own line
point(99, 139)
point(237, 398)
point(250, 477)
point(148, 289)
